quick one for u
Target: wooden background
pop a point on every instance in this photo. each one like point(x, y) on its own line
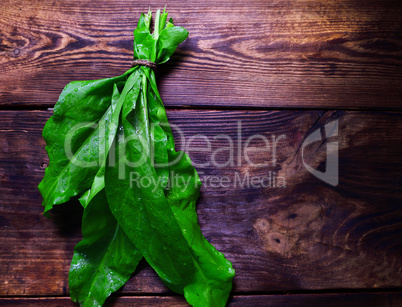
point(278, 67)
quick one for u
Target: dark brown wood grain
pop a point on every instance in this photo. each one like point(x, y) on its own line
point(327, 54)
point(304, 244)
point(307, 235)
point(330, 300)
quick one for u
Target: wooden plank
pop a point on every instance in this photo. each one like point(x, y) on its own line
point(307, 235)
point(330, 300)
point(310, 54)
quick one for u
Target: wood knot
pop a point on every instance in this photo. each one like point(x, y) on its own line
point(273, 240)
point(43, 165)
